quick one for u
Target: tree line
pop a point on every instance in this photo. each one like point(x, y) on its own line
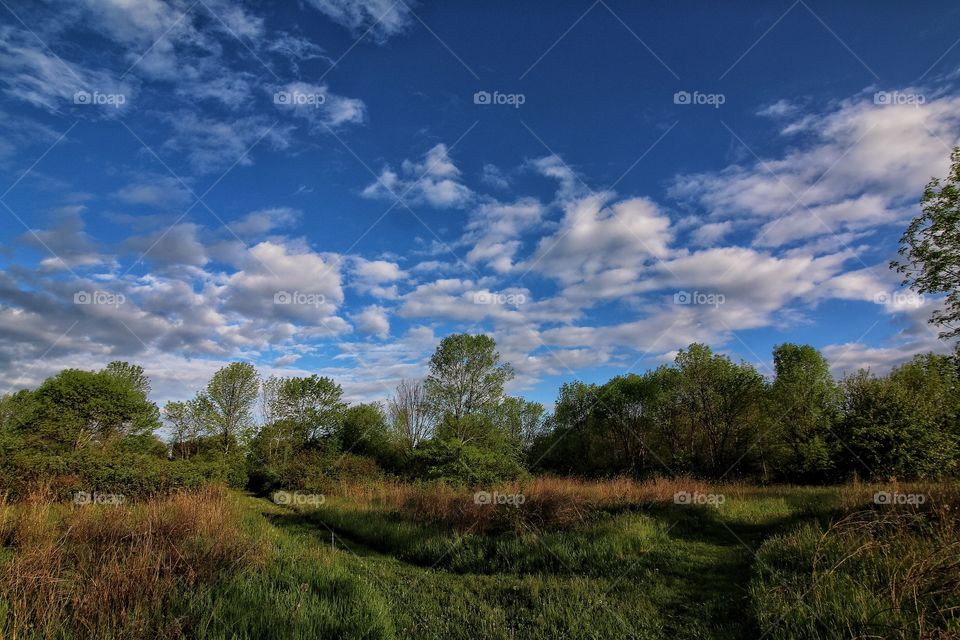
point(704, 415)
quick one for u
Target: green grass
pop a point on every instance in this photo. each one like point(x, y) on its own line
point(668, 572)
point(754, 566)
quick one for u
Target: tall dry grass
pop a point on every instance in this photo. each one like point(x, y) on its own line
point(547, 502)
point(108, 571)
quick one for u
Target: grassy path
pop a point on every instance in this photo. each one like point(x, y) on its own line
point(677, 572)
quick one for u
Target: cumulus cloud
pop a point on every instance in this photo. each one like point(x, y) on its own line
point(434, 180)
point(374, 320)
point(595, 236)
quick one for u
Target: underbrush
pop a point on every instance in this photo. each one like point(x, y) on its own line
point(887, 570)
point(112, 571)
point(534, 505)
point(194, 564)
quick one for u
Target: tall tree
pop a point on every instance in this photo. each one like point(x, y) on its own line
point(188, 422)
point(410, 413)
point(132, 374)
point(313, 404)
point(232, 392)
point(931, 248)
point(466, 376)
point(803, 404)
point(718, 407)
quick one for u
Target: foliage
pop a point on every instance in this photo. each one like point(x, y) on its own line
point(931, 248)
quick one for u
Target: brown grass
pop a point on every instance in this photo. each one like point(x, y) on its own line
point(99, 571)
point(548, 502)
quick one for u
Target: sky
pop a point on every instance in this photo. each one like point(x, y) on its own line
point(333, 186)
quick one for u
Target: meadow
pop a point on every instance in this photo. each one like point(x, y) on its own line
point(540, 558)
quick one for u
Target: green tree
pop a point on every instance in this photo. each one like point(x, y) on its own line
point(567, 444)
point(716, 410)
point(132, 374)
point(465, 390)
point(189, 421)
point(313, 404)
point(364, 432)
point(931, 248)
point(893, 427)
point(626, 411)
point(232, 392)
point(803, 405)
point(466, 376)
point(80, 409)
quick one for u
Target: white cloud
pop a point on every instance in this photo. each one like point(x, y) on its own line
point(435, 180)
point(380, 19)
point(861, 166)
point(373, 319)
point(594, 236)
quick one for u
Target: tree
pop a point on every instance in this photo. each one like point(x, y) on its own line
point(803, 405)
point(522, 419)
point(410, 413)
point(313, 405)
point(716, 407)
point(131, 374)
point(364, 432)
point(79, 409)
point(232, 392)
point(897, 427)
point(567, 444)
point(626, 409)
point(189, 421)
point(931, 248)
point(466, 376)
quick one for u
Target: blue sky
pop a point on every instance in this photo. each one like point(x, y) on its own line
point(331, 186)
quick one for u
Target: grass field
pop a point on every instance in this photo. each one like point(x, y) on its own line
point(574, 560)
